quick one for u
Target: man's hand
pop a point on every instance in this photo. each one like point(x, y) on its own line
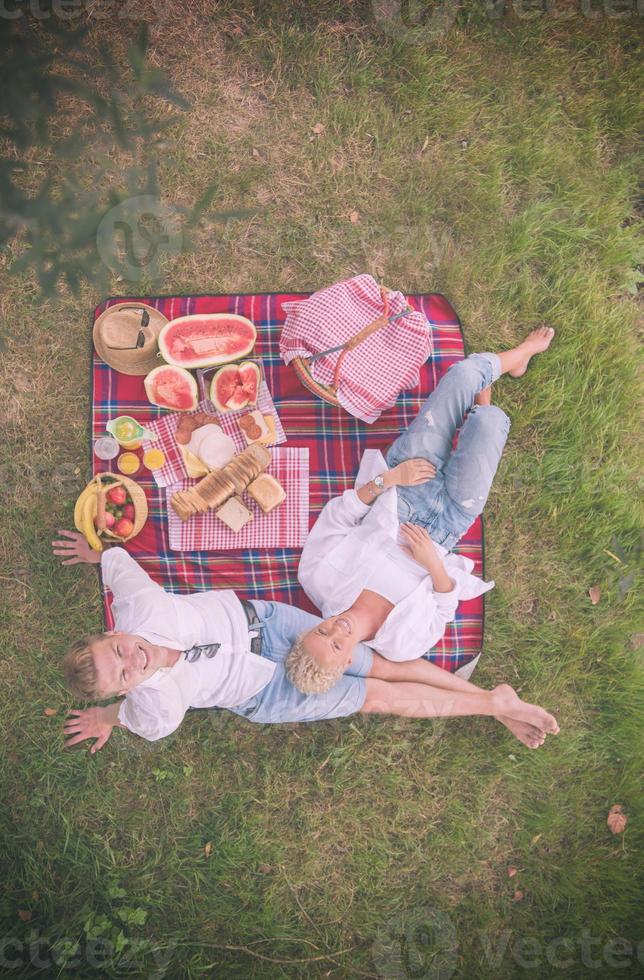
point(75, 549)
point(91, 723)
point(410, 473)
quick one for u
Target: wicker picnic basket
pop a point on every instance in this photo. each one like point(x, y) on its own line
point(329, 393)
point(137, 495)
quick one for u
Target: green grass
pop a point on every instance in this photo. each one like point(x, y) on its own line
point(497, 165)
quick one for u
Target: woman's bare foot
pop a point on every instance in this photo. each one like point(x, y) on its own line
point(510, 705)
point(519, 358)
point(528, 734)
point(484, 397)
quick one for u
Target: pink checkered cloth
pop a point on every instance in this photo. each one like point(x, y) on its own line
point(285, 527)
point(374, 373)
point(174, 470)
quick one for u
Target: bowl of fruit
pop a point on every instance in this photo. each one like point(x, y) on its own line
point(110, 509)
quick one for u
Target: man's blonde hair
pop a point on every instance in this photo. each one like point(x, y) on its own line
point(79, 669)
point(305, 673)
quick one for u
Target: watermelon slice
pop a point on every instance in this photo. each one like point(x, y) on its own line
point(172, 387)
point(234, 387)
point(250, 378)
point(206, 339)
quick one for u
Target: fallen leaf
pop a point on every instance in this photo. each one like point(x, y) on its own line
point(425, 145)
point(518, 895)
point(265, 869)
point(255, 153)
point(318, 129)
point(537, 838)
point(208, 849)
point(614, 557)
point(595, 594)
point(511, 871)
point(354, 217)
point(637, 641)
point(617, 819)
point(25, 915)
point(50, 712)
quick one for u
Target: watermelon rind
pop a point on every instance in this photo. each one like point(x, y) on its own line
point(181, 375)
point(251, 377)
point(216, 392)
point(237, 336)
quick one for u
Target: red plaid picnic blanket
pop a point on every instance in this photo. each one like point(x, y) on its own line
point(373, 374)
point(335, 442)
point(285, 527)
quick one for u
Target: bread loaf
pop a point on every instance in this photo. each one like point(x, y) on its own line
point(220, 485)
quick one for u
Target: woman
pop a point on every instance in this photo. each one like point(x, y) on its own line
point(377, 562)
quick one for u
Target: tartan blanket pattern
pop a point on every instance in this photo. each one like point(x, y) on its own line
point(335, 441)
point(285, 527)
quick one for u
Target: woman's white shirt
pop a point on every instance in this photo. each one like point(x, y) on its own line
point(156, 706)
point(348, 541)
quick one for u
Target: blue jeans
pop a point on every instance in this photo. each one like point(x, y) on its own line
point(449, 504)
point(280, 701)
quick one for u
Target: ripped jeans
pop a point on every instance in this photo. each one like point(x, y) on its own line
point(450, 503)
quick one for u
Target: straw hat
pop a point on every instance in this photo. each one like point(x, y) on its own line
point(120, 328)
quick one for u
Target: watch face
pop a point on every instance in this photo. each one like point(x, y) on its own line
point(379, 482)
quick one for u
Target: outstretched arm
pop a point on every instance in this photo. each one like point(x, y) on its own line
point(92, 723)
point(74, 549)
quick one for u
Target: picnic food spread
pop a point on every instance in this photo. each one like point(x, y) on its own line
point(216, 488)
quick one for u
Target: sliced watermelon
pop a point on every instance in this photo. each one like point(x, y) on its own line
point(223, 386)
point(206, 339)
point(172, 387)
point(251, 376)
point(238, 399)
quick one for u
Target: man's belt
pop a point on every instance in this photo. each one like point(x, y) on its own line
point(254, 624)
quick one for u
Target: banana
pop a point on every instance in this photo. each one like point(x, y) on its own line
point(78, 506)
point(88, 513)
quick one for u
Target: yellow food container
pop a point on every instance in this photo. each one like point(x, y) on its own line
point(154, 459)
point(128, 463)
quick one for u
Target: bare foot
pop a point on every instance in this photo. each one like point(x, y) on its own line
point(528, 734)
point(511, 706)
point(535, 343)
point(484, 397)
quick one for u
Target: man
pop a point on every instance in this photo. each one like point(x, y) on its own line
point(171, 653)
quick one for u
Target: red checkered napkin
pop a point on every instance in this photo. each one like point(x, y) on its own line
point(174, 470)
point(285, 527)
point(377, 370)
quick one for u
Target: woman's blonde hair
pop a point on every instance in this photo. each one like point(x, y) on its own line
point(80, 670)
point(305, 673)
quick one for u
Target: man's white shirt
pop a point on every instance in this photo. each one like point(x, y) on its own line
point(350, 539)
point(156, 706)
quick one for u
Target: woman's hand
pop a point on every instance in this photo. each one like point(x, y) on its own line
point(411, 472)
point(424, 552)
point(420, 545)
point(91, 723)
point(75, 549)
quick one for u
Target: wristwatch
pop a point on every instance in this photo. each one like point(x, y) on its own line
point(379, 483)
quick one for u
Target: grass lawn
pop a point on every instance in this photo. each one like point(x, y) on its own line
point(497, 164)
